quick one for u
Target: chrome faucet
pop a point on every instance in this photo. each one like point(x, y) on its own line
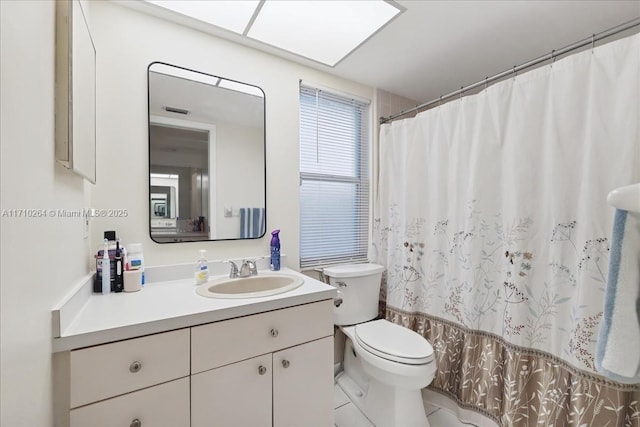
point(233, 273)
point(248, 268)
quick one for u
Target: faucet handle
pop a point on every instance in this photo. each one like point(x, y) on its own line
point(233, 273)
point(251, 265)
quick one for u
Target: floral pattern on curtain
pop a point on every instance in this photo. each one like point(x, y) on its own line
point(492, 222)
point(518, 386)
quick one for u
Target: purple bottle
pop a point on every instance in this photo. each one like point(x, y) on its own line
point(275, 251)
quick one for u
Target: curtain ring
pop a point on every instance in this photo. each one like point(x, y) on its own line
point(553, 57)
point(486, 83)
point(593, 42)
point(515, 73)
point(440, 100)
point(461, 92)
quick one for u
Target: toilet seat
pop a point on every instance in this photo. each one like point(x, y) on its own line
point(393, 342)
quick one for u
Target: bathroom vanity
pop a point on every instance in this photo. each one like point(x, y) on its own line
point(166, 356)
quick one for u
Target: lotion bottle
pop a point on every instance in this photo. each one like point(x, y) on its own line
point(106, 269)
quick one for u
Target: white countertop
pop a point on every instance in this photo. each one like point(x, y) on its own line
point(163, 306)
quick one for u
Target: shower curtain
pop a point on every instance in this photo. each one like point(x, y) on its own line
point(491, 219)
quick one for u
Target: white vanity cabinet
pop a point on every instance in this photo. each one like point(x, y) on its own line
point(269, 369)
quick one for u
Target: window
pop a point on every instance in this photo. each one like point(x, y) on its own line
point(334, 178)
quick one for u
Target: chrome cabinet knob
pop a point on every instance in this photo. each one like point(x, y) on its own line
point(285, 363)
point(274, 333)
point(262, 370)
point(135, 367)
point(136, 423)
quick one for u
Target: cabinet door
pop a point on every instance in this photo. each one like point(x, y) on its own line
point(303, 385)
point(164, 405)
point(236, 395)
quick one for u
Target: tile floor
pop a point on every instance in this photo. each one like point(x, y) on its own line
point(348, 415)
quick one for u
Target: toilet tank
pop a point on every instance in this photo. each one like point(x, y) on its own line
point(359, 287)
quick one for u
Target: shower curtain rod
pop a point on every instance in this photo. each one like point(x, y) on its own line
point(554, 53)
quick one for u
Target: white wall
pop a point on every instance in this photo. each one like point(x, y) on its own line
point(245, 190)
point(42, 258)
point(127, 41)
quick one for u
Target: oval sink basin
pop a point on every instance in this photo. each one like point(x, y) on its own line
point(262, 285)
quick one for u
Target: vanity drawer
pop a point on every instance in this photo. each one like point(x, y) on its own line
point(218, 344)
point(108, 370)
point(162, 405)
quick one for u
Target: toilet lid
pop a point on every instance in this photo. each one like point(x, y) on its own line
point(394, 342)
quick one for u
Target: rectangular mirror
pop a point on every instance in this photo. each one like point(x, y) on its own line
point(206, 157)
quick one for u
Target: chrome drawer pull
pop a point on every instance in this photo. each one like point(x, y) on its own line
point(136, 423)
point(285, 363)
point(274, 333)
point(135, 367)
point(262, 370)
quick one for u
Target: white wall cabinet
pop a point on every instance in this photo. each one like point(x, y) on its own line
point(267, 369)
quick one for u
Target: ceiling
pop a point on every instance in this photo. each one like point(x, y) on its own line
point(435, 47)
point(205, 103)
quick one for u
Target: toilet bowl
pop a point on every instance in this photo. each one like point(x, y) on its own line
point(385, 365)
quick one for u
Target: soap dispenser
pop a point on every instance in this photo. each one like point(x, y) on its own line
point(202, 270)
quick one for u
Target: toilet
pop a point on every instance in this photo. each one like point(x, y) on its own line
point(385, 365)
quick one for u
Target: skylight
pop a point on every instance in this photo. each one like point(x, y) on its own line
point(320, 30)
point(232, 15)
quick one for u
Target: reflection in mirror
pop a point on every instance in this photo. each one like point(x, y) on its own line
point(206, 157)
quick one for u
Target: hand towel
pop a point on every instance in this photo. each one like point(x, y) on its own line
point(252, 223)
point(618, 346)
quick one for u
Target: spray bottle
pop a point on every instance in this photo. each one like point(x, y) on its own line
point(275, 251)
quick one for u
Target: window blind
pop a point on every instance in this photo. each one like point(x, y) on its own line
point(334, 178)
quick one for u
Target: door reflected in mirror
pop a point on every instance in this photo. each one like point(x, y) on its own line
point(206, 157)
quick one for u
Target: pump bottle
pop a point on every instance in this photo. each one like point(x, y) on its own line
point(202, 270)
